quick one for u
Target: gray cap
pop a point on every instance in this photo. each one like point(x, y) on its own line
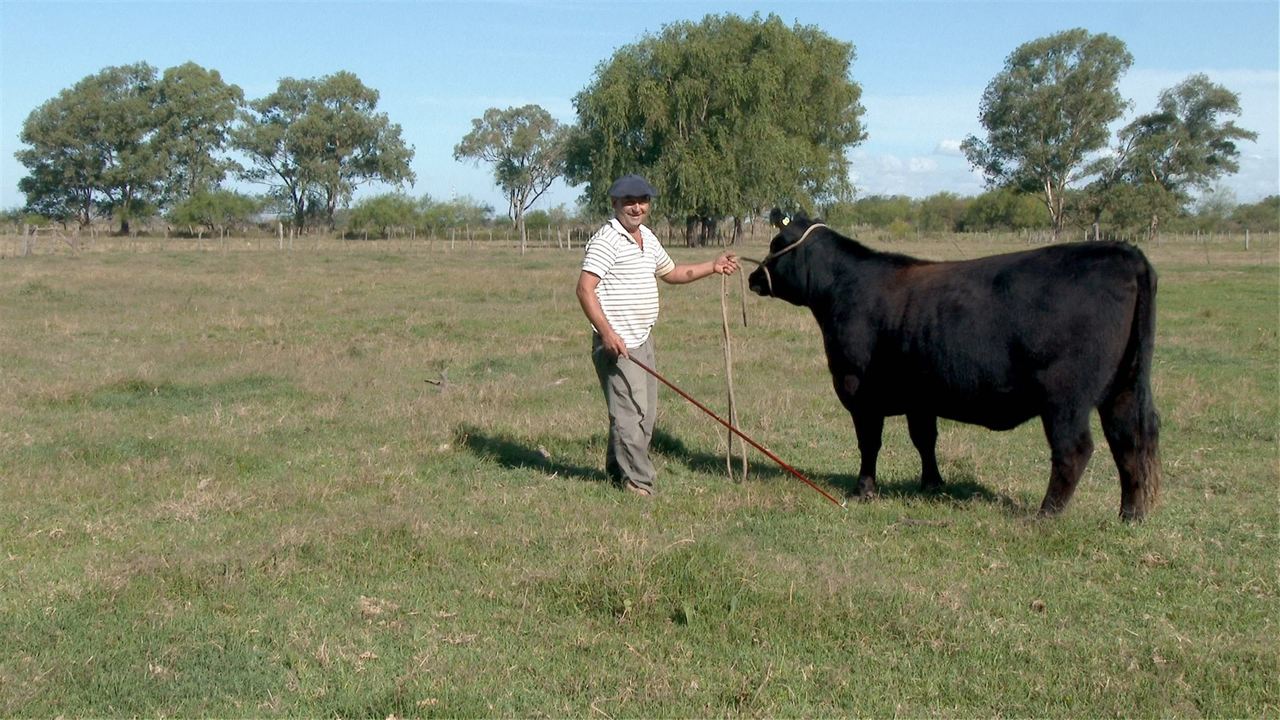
point(631, 186)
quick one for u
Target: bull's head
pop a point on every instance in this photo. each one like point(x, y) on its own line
point(782, 273)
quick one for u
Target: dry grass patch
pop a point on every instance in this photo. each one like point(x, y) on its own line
point(361, 480)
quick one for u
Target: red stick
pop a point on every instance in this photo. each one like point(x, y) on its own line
point(737, 432)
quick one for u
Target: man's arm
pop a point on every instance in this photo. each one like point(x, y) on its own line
point(726, 264)
point(613, 344)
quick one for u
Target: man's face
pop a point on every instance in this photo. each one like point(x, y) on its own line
point(631, 211)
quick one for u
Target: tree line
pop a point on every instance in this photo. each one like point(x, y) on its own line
point(728, 116)
point(1003, 210)
point(128, 142)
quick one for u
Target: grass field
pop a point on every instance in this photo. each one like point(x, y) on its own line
point(366, 480)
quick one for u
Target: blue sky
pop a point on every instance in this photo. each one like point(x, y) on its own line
point(922, 66)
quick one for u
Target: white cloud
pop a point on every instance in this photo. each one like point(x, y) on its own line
point(922, 166)
point(948, 147)
point(916, 176)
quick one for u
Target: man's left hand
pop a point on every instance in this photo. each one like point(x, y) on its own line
point(726, 264)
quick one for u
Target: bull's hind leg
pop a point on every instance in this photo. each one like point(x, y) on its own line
point(1121, 423)
point(924, 435)
point(1070, 447)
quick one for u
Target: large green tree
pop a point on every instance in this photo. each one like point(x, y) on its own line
point(194, 112)
point(726, 116)
point(1185, 144)
point(527, 149)
point(314, 141)
point(1188, 142)
point(1047, 112)
point(124, 141)
point(89, 150)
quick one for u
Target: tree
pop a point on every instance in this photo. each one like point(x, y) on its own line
point(1047, 111)
point(90, 150)
point(726, 117)
point(458, 212)
point(942, 212)
point(124, 142)
point(1185, 143)
point(1262, 216)
point(527, 148)
point(195, 110)
point(381, 213)
point(1005, 209)
point(214, 210)
point(1213, 208)
point(881, 210)
point(313, 142)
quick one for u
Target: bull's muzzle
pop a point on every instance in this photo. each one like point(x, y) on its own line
point(758, 282)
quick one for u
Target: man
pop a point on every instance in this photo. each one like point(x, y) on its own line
point(618, 291)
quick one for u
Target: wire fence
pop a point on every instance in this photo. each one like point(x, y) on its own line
point(28, 241)
point(24, 241)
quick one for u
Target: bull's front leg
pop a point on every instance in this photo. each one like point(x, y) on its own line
point(868, 425)
point(869, 428)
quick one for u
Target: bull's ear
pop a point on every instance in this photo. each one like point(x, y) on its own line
point(778, 219)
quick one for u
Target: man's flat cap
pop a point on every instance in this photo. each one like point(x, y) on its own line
point(631, 186)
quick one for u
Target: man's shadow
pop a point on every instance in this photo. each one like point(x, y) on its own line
point(513, 454)
point(696, 460)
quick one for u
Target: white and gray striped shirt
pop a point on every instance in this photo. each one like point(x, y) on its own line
point(628, 289)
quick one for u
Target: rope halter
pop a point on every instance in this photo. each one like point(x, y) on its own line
point(775, 255)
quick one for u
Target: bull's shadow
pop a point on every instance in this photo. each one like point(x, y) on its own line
point(958, 487)
point(961, 485)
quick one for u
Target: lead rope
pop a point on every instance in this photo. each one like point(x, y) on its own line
point(728, 343)
point(728, 373)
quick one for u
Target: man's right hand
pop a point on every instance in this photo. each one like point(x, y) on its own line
point(613, 344)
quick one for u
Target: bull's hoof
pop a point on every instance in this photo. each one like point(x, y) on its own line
point(931, 485)
point(867, 489)
point(1132, 514)
point(1054, 504)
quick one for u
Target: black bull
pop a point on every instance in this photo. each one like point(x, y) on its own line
point(1050, 333)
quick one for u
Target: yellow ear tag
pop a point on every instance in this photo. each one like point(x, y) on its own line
point(786, 221)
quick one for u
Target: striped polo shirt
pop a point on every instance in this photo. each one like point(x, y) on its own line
point(628, 289)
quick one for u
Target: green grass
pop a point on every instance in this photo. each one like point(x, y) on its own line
point(366, 480)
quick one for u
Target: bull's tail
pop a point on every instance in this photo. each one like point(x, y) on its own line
point(1148, 418)
point(1137, 448)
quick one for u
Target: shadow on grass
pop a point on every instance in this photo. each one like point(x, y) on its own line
point(698, 461)
point(522, 454)
point(512, 453)
point(958, 489)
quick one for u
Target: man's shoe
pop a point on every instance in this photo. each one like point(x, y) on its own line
point(636, 489)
